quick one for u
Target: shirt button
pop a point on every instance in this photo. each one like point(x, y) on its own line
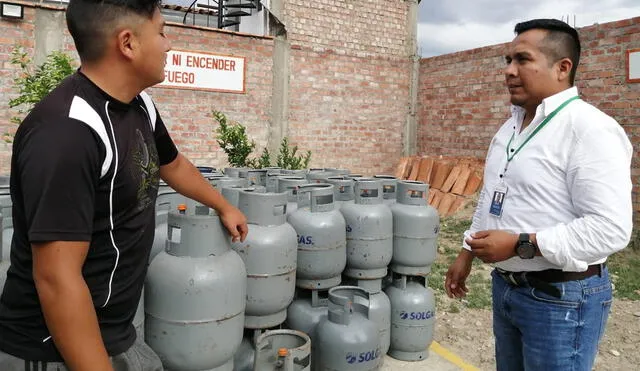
point(512, 149)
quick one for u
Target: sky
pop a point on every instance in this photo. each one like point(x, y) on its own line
point(447, 26)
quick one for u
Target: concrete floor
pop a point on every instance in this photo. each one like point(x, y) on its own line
point(440, 359)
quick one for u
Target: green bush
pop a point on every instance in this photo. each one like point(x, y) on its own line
point(35, 83)
point(233, 139)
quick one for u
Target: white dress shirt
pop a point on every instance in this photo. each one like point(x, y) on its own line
point(570, 184)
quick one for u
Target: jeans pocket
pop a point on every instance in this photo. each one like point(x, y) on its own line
point(571, 294)
point(606, 307)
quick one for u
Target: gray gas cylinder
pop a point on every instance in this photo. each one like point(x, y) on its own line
point(234, 172)
point(195, 294)
point(272, 174)
point(322, 238)
point(389, 186)
point(244, 357)
point(138, 319)
point(343, 190)
point(369, 231)
point(231, 194)
point(307, 310)
point(289, 185)
point(165, 202)
point(286, 350)
point(4, 265)
point(294, 172)
point(219, 183)
point(415, 230)
point(7, 225)
point(270, 254)
point(319, 176)
point(337, 172)
point(413, 309)
point(257, 177)
point(354, 176)
point(7, 221)
point(379, 308)
point(347, 339)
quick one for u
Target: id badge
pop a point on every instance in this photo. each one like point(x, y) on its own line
point(497, 202)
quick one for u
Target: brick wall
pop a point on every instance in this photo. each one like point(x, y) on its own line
point(188, 112)
point(463, 100)
point(12, 34)
point(350, 74)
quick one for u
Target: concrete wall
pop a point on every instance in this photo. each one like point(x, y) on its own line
point(463, 99)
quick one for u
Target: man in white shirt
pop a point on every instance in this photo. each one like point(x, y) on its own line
point(555, 203)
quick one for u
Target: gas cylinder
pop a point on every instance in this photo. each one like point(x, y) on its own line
point(138, 319)
point(195, 294)
point(347, 339)
point(234, 172)
point(272, 174)
point(319, 176)
point(415, 230)
point(231, 194)
point(7, 220)
point(343, 190)
point(337, 172)
point(270, 255)
point(290, 184)
point(286, 350)
point(219, 183)
point(307, 310)
point(291, 172)
point(244, 357)
point(167, 200)
point(7, 225)
point(379, 308)
point(322, 240)
point(4, 265)
point(206, 169)
point(257, 177)
point(369, 231)
point(389, 183)
point(413, 309)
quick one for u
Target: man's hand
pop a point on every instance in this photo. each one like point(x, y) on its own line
point(493, 246)
point(455, 283)
point(235, 222)
point(185, 178)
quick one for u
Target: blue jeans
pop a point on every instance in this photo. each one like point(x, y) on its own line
point(536, 331)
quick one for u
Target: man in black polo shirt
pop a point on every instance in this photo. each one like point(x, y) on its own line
point(84, 178)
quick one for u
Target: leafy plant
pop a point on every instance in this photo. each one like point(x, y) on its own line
point(35, 83)
point(233, 139)
point(287, 158)
point(265, 159)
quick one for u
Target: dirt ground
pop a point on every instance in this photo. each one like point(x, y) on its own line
point(468, 332)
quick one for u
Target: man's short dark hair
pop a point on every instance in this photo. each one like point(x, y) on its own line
point(562, 41)
point(91, 21)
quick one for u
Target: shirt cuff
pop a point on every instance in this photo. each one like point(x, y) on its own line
point(553, 252)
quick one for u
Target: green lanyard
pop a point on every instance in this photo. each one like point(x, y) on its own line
point(542, 124)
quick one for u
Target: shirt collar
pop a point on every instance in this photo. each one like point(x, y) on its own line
point(549, 104)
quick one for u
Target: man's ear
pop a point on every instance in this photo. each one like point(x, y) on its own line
point(127, 43)
point(564, 69)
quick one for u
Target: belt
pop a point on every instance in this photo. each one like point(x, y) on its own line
point(541, 279)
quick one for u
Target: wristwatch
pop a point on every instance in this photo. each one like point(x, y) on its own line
point(525, 249)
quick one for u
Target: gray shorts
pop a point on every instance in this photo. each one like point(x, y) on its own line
point(139, 357)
